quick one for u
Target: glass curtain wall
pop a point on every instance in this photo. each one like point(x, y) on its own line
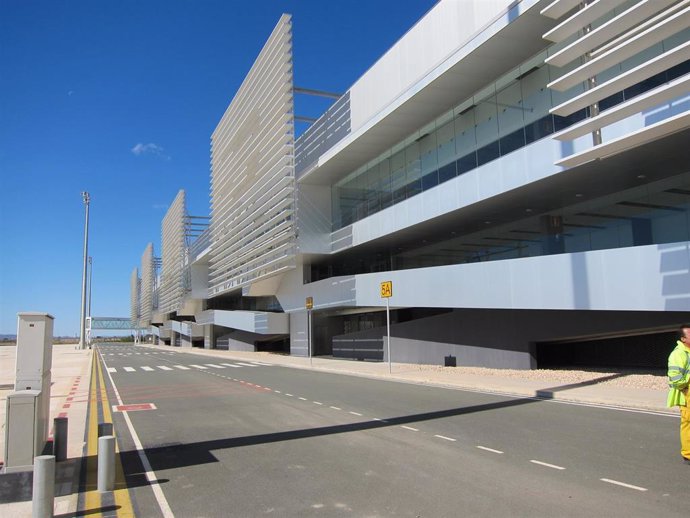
point(510, 114)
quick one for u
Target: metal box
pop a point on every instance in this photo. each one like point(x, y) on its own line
point(23, 435)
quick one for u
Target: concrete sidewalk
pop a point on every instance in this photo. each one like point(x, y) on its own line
point(69, 397)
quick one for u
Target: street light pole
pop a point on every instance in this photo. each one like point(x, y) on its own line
point(82, 329)
point(90, 279)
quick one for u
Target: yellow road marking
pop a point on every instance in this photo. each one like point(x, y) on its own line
point(121, 493)
point(93, 498)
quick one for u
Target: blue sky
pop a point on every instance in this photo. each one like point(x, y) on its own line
point(119, 98)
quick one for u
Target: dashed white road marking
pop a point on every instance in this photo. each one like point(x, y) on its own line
point(263, 364)
point(623, 484)
point(199, 367)
point(546, 464)
point(129, 369)
point(231, 365)
point(181, 367)
point(112, 369)
point(356, 413)
point(336, 408)
point(246, 364)
point(277, 391)
point(303, 398)
point(445, 438)
point(288, 395)
point(164, 367)
point(409, 428)
point(148, 369)
point(489, 449)
point(214, 365)
point(317, 402)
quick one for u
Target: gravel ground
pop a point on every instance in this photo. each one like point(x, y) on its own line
point(619, 378)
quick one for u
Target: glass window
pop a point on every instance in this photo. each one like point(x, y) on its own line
point(486, 121)
point(510, 109)
point(465, 134)
point(446, 172)
point(445, 137)
point(428, 153)
point(467, 162)
point(488, 153)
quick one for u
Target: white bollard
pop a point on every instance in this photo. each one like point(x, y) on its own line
point(106, 463)
point(43, 495)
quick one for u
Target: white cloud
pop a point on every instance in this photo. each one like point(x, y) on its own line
point(154, 149)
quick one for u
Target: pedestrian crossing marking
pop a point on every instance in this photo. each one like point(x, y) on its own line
point(206, 366)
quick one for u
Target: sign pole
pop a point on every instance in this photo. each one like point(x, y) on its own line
point(388, 327)
point(311, 361)
point(386, 288)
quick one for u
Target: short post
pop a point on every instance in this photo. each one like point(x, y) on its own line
point(44, 487)
point(106, 463)
point(105, 429)
point(60, 438)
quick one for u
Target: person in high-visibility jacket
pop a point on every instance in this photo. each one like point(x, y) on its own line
point(678, 382)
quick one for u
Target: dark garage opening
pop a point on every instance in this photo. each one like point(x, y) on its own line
point(647, 352)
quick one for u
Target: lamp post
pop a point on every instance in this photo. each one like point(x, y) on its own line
point(90, 278)
point(82, 334)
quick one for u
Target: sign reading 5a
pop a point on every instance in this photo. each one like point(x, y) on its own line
point(386, 289)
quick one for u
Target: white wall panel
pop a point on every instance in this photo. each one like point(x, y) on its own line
point(450, 24)
point(252, 173)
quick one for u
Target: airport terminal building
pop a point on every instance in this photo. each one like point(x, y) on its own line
point(519, 170)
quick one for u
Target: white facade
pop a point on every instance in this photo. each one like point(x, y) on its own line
point(519, 166)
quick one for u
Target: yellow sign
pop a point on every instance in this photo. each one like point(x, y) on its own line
point(386, 289)
point(310, 303)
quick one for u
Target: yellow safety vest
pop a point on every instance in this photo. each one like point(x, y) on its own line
point(678, 375)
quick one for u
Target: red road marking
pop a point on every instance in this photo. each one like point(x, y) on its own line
point(134, 407)
point(69, 399)
point(62, 414)
point(66, 405)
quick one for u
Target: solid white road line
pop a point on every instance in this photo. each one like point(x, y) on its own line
point(148, 369)
point(199, 367)
point(129, 369)
point(164, 367)
point(409, 428)
point(489, 449)
point(150, 474)
point(546, 464)
point(445, 438)
point(231, 365)
point(623, 484)
point(112, 369)
point(181, 367)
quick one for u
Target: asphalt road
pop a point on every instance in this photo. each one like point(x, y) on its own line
point(255, 440)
